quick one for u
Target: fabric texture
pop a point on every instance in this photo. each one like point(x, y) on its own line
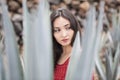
point(60, 70)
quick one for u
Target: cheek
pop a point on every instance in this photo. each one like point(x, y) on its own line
point(72, 34)
point(55, 36)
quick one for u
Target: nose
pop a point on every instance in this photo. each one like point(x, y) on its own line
point(64, 33)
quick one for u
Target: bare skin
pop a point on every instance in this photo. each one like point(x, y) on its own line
point(63, 35)
point(65, 55)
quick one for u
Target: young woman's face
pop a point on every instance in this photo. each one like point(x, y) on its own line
point(62, 31)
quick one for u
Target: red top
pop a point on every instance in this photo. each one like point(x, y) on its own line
point(60, 70)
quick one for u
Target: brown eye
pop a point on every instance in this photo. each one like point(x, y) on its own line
point(56, 30)
point(68, 28)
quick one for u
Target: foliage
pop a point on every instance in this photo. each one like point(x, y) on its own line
point(37, 50)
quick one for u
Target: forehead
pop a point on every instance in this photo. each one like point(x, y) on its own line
point(60, 22)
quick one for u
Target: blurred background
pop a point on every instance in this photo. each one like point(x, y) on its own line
point(77, 7)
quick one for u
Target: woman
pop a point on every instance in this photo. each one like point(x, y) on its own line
point(64, 29)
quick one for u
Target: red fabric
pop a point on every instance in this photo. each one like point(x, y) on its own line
point(60, 71)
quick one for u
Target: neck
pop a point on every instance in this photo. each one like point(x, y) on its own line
point(65, 55)
point(67, 49)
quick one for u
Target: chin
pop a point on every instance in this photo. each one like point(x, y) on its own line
point(65, 45)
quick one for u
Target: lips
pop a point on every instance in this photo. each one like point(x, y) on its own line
point(64, 40)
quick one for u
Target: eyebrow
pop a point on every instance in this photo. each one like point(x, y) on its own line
point(66, 24)
point(63, 26)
